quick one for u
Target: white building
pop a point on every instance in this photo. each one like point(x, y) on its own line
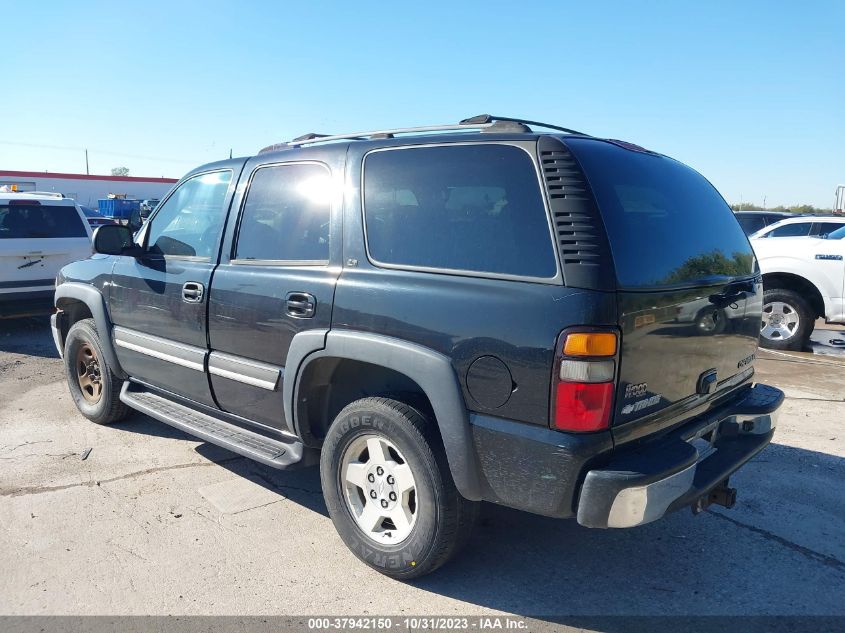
point(85, 189)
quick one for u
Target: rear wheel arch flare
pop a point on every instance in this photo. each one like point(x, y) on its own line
point(330, 383)
point(430, 371)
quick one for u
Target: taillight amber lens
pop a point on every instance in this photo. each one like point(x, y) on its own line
point(590, 344)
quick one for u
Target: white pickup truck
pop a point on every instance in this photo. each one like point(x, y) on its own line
point(803, 279)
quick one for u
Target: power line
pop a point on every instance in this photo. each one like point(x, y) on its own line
point(98, 151)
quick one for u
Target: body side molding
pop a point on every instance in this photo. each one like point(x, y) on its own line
point(244, 370)
point(433, 372)
point(161, 348)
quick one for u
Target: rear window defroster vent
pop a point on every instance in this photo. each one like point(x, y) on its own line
point(581, 238)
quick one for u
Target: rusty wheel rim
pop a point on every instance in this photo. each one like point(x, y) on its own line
point(88, 374)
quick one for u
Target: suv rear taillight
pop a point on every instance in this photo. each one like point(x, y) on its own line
point(584, 381)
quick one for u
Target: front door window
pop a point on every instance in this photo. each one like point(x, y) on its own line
point(188, 223)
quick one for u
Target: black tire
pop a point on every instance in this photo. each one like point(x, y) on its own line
point(444, 519)
point(107, 408)
point(801, 307)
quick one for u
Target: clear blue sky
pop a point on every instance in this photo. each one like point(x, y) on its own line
point(752, 94)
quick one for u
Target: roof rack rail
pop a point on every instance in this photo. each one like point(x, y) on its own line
point(489, 118)
point(482, 123)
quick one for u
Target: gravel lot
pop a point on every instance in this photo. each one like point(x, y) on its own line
point(153, 522)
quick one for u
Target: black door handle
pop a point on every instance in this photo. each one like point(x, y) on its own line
point(301, 305)
point(192, 292)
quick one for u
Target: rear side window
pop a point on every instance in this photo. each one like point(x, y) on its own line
point(286, 215)
point(751, 224)
point(798, 229)
point(39, 221)
point(666, 224)
point(474, 208)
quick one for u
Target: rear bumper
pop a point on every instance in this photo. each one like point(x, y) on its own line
point(641, 486)
point(582, 475)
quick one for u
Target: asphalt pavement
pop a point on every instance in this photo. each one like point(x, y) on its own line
point(139, 518)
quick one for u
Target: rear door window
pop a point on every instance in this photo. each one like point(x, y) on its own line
point(667, 225)
point(33, 220)
point(826, 228)
point(474, 208)
point(838, 234)
point(286, 215)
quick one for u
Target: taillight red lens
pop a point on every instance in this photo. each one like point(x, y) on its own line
point(583, 406)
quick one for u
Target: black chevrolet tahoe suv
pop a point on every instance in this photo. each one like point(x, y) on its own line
point(439, 316)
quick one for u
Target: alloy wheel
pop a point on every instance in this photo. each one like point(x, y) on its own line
point(379, 489)
point(780, 321)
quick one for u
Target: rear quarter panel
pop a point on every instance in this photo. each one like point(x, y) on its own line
point(465, 318)
point(470, 318)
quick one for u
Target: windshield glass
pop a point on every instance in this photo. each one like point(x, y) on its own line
point(39, 220)
point(667, 225)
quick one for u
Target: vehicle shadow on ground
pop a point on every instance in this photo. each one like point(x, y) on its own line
point(300, 485)
point(720, 562)
point(775, 553)
point(28, 335)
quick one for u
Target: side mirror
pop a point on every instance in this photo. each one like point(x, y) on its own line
point(114, 239)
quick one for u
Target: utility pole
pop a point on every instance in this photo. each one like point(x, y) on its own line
point(88, 173)
point(764, 203)
point(230, 153)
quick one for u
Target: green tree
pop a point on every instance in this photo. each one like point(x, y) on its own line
point(795, 208)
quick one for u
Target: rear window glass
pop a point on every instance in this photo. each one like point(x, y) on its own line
point(666, 224)
point(474, 208)
point(39, 221)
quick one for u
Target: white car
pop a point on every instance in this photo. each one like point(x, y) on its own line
point(39, 233)
point(803, 279)
point(801, 226)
